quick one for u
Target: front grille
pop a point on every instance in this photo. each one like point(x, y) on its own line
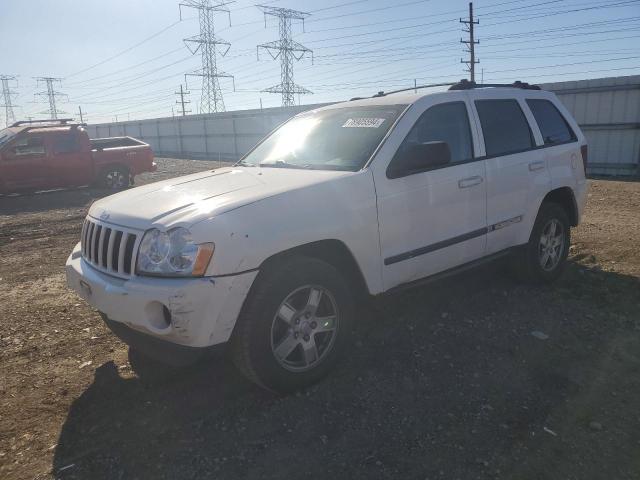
point(109, 248)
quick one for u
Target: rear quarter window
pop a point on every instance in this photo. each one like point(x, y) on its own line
point(553, 126)
point(504, 127)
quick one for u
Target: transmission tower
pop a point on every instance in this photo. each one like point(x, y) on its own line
point(182, 101)
point(288, 50)
point(7, 95)
point(51, 94)
point(471, 43)
point(208, 44)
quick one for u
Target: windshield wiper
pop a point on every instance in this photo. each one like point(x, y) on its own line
point(242, 163)
point(283, 164)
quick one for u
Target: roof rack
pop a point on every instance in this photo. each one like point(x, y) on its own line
point(465, 84)
point(61, 121)
point(408, 89)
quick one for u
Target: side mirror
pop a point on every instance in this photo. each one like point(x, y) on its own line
point(420, 158)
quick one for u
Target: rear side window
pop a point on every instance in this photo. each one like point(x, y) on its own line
point(67, 143)
point(553, 126)
point(504, 127)
point(447, 122)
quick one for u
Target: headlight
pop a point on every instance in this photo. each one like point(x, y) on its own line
point(173, 253)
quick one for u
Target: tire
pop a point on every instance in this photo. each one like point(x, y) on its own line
point(302, 306)
point(539, 261)
point(115, 178)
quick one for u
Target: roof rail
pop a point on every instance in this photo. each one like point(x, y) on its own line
point(465, 84)
point(408, 89)
point(61, 121)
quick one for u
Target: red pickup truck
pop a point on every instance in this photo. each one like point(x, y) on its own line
point(43, 155)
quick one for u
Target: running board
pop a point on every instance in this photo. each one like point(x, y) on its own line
point(451, 272)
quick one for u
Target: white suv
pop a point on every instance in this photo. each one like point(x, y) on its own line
point(349, 200)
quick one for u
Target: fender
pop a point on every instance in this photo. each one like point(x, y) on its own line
point(343, 209)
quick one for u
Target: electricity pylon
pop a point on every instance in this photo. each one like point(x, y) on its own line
point(208, 44)
point(51, 94)
point(7, 95)
point(288, 50)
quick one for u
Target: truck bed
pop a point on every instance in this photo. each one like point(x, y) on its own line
point(114, 142)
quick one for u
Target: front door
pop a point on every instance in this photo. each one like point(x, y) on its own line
point(23, 164)
point(433, 220)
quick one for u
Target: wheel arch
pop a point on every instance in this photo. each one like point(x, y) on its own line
point(332, 251)
point(564, 197)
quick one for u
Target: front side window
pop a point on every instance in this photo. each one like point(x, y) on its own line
point(335, 139)
point(66, 143)
point(28, 146)
point(447, 122)
point(504, 127)
point(553, 126)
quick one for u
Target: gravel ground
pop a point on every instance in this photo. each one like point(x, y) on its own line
point(475, 377)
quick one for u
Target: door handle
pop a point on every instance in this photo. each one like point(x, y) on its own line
point(469, 182)
point(534, 166)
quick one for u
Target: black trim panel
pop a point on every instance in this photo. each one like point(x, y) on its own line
point(435, 246)
point(451, 241)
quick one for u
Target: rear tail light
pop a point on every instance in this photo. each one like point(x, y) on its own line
point(584, 150)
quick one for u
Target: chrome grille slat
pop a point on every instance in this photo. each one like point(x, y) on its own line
point(103, 231)
point(109, 248)
point(90, 237)
point(112, 239)
point(123, 248)
point(84, 229)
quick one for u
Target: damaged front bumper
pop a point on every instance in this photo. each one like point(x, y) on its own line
point(192, 312)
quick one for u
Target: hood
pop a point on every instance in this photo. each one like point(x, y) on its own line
point(186, 200)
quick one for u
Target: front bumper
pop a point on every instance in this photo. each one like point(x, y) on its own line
point(193, 312)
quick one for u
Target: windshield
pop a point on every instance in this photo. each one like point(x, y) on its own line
point(5, 135)
point(334, 139)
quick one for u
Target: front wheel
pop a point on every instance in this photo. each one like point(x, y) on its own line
point(543, 258)
point(295, 324)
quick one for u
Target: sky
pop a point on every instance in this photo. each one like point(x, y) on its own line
point(125, 59)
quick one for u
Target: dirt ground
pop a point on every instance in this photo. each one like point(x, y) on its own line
point(442, 382)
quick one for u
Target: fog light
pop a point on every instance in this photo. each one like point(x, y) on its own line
point(158, 316)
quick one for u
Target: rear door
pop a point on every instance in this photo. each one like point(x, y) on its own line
point(517, 175)
point(24, 163)
point(433, 220)
point(69, 165)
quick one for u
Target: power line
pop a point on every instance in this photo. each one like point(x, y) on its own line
point(471, 43)
point(7, 95)
point(51, 94)
point(207, 42)
point(126, 50)
point(288, 50)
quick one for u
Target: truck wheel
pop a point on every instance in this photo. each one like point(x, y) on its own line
point(294, 324)
point(543, 259)
point(115, 178)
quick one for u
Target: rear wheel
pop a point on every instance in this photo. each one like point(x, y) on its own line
point(115, 178)
point(543, 258)
point(295, 324)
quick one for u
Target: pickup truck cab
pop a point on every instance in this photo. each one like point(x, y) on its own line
point(343, 202)
point(43, 155)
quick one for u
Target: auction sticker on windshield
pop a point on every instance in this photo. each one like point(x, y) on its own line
point(363, 123)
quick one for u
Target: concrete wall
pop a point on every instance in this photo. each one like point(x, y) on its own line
point(224, 136)
point(607, 109)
